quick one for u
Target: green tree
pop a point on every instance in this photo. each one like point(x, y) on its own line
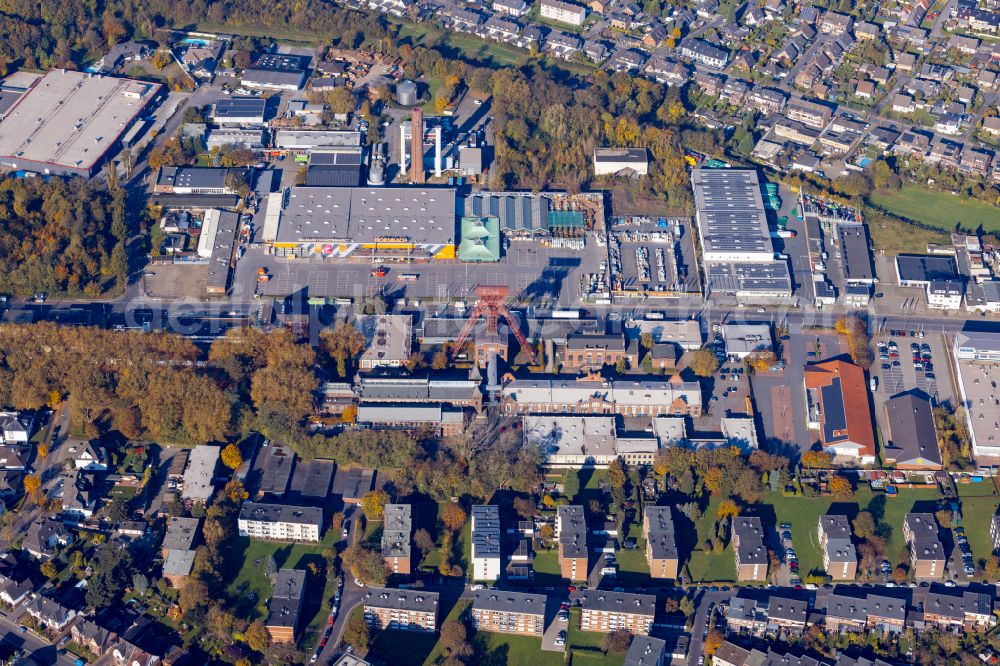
point(571, 483)
point(112, 573)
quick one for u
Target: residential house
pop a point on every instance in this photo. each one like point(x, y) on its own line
point(912, 438)
point(514, 8)
point(968, 610)
point(15, 428)
point(45, 537)
point(704, 53)
point(49, 612)
point(92, 636)
point(12, 459)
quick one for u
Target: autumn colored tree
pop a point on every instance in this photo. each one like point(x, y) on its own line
point(366, 564)
point(816, 459)
point(453, 517)
point(373, 504)
point(546, 532)
point(48, 569)
point(42, 449)
point(762, 361)
point(714, 478)
point(704, 362)
point(944, 517)
point(840, 486)
point(231, 457)
point(349, 415)
point(713, 641)
point(864, 525)
point(32, 484)
point(727, 510)
point(341, 344)
point(524, 507)
point(258, 637)
point(356, 633)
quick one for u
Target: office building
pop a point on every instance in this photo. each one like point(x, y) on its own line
point(200, 473)
point(976, 357)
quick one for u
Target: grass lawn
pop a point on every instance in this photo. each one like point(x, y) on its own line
point(938, 209)
point(984, 489)
point(251, 556)
point(547, 570)
point(500, 649)
point(632, 566)
point(585, 646)
point(803, 514)
point(976, 515)
point(894, 237)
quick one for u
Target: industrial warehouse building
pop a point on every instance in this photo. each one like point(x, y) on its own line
point(391, 223)
point(736, 245)
point(69, 122)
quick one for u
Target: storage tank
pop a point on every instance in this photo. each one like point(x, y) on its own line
point(406, 93)
point(376, 172)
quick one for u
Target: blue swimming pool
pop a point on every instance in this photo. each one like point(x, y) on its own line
point(195, 41)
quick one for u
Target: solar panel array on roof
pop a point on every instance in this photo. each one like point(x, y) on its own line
point(517, 213)
point(333, 175)
point(742, 277)
point(731, 215)
point(834, 417)
point(326, 158)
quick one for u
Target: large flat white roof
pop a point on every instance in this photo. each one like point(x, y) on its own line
point(70, 119)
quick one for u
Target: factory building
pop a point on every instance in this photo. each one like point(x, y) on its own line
point(68, 123)
point(387, 224)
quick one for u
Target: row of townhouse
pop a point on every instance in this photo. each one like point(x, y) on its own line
point(789, 614)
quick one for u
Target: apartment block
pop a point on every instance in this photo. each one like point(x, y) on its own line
point(509, 612)
point(485, 542)
point(280, 522)
point(927, 556)
point(566, 12)
point(748, 545)
point(571, 532)
point(396, 538)
point(840, 559)
point(604, 611)
point(661, 542)
point(406, 610)
point(285, 606)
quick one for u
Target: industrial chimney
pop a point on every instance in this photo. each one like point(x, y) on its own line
point(417, 146)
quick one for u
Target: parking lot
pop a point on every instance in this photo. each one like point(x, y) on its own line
point(903, 363)
point(547, 276)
